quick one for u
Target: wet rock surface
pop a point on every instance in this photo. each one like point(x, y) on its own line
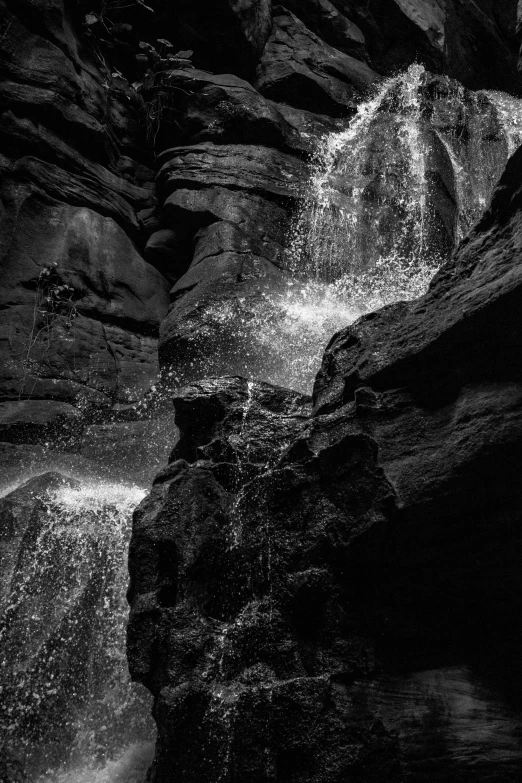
point(240, 582)
point(287, 568)
point(78, 143)
point(325, 595)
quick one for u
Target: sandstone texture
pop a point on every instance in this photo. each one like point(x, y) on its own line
point(436, 382)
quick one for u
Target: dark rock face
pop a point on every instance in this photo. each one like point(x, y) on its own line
point(240, 583)
point(332, 26)
point(447, 37)
point(232, 33)
point(437, 383)
point(224, 109)
point(283, 565)
point(80, 309)
point(446, 333)
point(299, 68)
point(110, 320)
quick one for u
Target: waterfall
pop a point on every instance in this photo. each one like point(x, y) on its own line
point(388, 199)
point(368, 199)
point(68, 710)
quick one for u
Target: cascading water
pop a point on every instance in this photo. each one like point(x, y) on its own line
point(388, 199)
point(369, 192)
point(69, 712)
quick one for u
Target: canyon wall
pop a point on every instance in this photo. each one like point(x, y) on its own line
point(92, 245)
point(294, 552)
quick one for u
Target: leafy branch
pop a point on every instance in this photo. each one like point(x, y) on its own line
point(53, 303)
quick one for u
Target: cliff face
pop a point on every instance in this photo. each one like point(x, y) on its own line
point(80, 306)
point(287, 563)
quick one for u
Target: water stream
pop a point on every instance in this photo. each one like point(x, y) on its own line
point(68, 709)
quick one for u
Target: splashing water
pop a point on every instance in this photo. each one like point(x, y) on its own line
point(129, 766)
point(389, 198)
point(68, 707)
point(368, 201)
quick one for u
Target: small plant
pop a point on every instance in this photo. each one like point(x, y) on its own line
point(53, 304)
point(158, 95)
point(147, 74)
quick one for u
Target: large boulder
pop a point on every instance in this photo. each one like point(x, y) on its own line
point(239, 582)
point(290, 607)
point(437, 383)
point(299, 68)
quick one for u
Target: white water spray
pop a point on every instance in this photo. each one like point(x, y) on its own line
point(368, 196)
point(69, 709)
point(388, 199)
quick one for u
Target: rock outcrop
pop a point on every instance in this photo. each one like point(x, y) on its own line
point(446, 36)
point(242, 623)
point(300, 69)
point(81, 309)
point(437, 383)
point(287, 567)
